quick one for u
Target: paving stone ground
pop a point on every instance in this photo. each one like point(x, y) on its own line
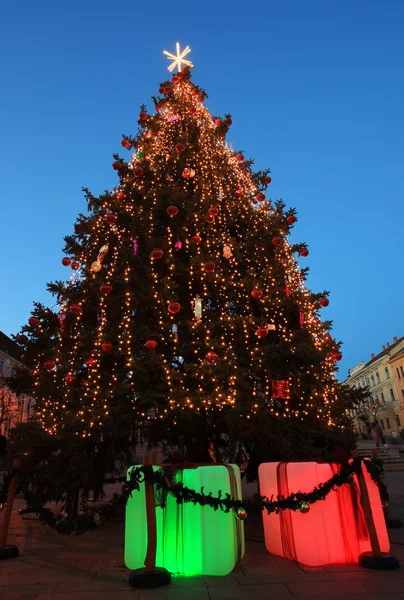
point(91, 567)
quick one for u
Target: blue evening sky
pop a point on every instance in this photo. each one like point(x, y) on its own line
point(316, 92)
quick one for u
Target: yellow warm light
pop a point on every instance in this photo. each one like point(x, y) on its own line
point(179, 58)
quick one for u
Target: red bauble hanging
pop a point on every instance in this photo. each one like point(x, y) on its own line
point(218, 122)
point(34, 321)
point(267, 179)
point(151, 344)
point(111, 218)
point(195, 92)
point(66, 261)
point(168, 90)
point(174, 308)
point(303, 252)
point(210, 219)
point(75, 309)
point(75, 265)
point(179, 147)
point(49, 365)
point(125, 143)
point(179, 75)
point(70, 378)
point(336, 355)
point(228, 122)
point(257, 293)
point(117, 166)
point(260, 197)
point(240, 157)
point(327, 338)
point(211, 357)
point(161, 90)
point(120, 196)
point(192, 110)
point(90, 362)
point(239, 192)
point(172, 211)
point(291, 219)
point(22, 339)
point(262, 331)
point(324, 302)
point(209, 267)
point(107, 346)
point(196, 239)
point(138, 171)
point(276, 241)
point(175, 80)
point(316, 321)
point(143, 116)
point(213, 211)
point(106, 289)
point(157, 253)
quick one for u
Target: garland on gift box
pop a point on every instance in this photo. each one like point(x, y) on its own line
point(66, 525)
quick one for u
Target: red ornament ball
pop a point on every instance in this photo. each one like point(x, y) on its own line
point(120, 196)
point(327, 338)
point(209, 267)
point(151, 344)
point(196, 239)
point(260, 197)
point(117, 166)
point(125, 143)
point(174, 308)
point(336, 355)
point(291, 219)
point(195, 92)
point(179, 76)
point(324, 302)
point(239, 192)
point(34, 321)
point(303, 252)
point(218, 122)
point(90, 362)
point(157, 253)
point(180, 147)
point(22, 339)
point(49, 365)
point(228, 122)
point(161, 90)
point(106, 289)
point(138, 171)
point(75, 309)
point(66, 261)
point(75, 265)
point(172, 211)
point(111, 218)
point(267, 179)
point(107, 346)
point(192, 110)
point(213, 211)
point(168, 90)
point(276, 241)
point(316, 321)
point(211, 357)
point(240, 157)
point(257, 293)
point(262, 331)
point(210, 219)
point(143, 116)
point(70, 378)
point(174, 79)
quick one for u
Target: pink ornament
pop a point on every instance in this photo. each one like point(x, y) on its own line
point(135, 247)
point(178, 245)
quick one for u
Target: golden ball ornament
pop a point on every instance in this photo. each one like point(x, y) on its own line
point(304, 507)
point(241, 514)
point(95, 267)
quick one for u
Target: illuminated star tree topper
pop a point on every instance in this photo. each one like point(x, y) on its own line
point(179, 58)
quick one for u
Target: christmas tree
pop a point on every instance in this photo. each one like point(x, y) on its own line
point(186, 320)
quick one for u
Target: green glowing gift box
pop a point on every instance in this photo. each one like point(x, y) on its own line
point(191, 539)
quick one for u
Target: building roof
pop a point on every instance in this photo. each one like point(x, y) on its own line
point(10, 347)
point(385, 351)
point(397, 353)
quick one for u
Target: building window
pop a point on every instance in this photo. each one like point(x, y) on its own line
point(382, 423)
point(373, 380)
point(378, 377)
point(367, 381)
point(382, 398)
point(402, 371)
point(377, 400)
point(398, 420)
point(1, 365)
point(392, 394)
point(387, 423)
point(386, 370)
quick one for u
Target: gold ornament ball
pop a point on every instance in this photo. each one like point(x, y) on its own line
point(241, 514)
point(95, 267)
point(304, 507)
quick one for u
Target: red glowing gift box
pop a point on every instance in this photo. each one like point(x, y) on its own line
point(332, 530)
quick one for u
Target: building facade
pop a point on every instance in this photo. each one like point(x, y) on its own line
point(13, 409)
point(385, 401)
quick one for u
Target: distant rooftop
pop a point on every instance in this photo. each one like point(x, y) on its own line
point(386, 350)
point(10, 347)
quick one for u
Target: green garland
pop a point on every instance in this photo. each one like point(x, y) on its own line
point(87, 522)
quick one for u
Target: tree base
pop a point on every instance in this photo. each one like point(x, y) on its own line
point(382, 563)
point(140, 578)
point(9, 551)
point(393, 524)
